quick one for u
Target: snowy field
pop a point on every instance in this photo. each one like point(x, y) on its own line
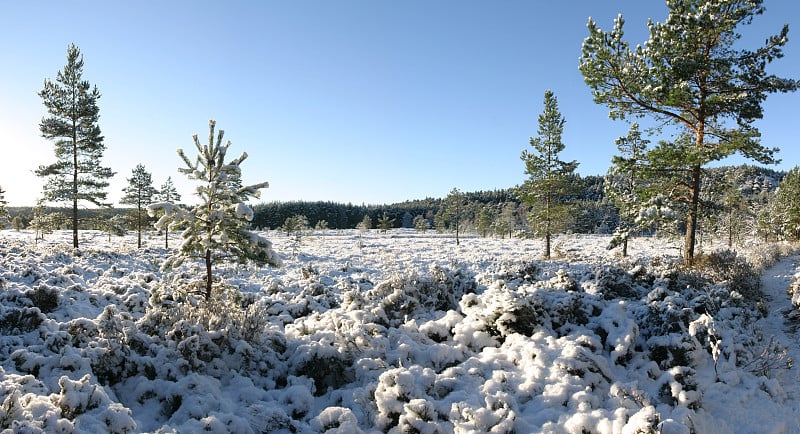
point(398, 332)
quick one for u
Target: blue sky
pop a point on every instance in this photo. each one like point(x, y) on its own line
point(349, 101)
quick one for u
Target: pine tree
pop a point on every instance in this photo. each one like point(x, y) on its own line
point(624, 186)
point(167, 196)
point(453, 209)
point(786, 209)
point(691, 74)
point(72, 123)
point(550, 181)
point(385, 223)
point(217, 227)
point(5, 217)
point(484, 220)
point(139, 192)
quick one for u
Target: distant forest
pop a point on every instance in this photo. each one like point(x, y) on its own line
point(503, 208)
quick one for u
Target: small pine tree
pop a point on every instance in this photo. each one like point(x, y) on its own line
point(19, 222)
point(453, 210)
point(421, 224)
point(385, 223)
point(366, 223)
point(484, 221)
point(139, 192)
point(217, 228)
point(72, 124)
point(5, 217)
point(551, 180)
point(167, 196)
point(624, 187)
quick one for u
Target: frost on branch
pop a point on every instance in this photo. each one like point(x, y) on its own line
point(217, 228)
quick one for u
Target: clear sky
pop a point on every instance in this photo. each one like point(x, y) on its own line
point(362, 101)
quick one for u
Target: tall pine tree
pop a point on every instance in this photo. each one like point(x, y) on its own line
point(77, 175)
point(551, 180)
point(691, 73)
point(139, 193)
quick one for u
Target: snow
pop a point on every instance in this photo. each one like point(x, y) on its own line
point(363, 332)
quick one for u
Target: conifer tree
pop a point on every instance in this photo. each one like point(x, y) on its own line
point(5, 217)
point(692, 74)
point(77, 176)
point(385, 223)
point(550, 181)
point(624, 186)
point(453, 211)
point(167, 196)
point(217, 228)
point(786, 209)
point(139, 192)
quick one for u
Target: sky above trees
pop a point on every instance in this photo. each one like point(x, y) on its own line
point(351, 101)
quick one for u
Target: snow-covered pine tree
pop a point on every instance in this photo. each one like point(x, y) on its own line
point(72, 123)
point(551, 181)
point(217, 228)
point(692, 74)
point(385, 223)
point(5, 217)
point(624, 185)
point(786, 209)
point(167, 195)
point(139, 193)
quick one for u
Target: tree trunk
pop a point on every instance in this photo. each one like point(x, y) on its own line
point(547, 245)
point(208, 274)
point(74, 190)
point(625, 247)
point(691, 218)
point(139, 227)
point(166, 237)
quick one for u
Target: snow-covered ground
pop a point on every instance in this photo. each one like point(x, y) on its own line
point(402, 332)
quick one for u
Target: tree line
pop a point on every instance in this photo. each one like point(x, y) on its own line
point(690, 78)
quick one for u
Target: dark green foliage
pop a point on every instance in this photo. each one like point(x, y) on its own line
point(551, 181)
point(72, 124)
point(692, 75)
point(139, 193)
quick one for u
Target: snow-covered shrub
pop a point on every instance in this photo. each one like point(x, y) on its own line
point(336, 420)
point(21, 320)
point(44, 297)
point(327, 366)
point(725, 266)
point(408, 295)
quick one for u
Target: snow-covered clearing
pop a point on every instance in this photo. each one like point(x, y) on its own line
point(403, 332)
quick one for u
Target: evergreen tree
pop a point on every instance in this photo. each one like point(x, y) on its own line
point(691, 74)
point(139, 192)
point(366, 223)
point(19, 222)
point(5, 217)
point(786, 209)
point(624, 186)
point(72, 123)
point(453, 209)
point(421, 224)
point(483, 222)
point(167, 195)
point(217, 227)
point(550, 180)
point(385, 223)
